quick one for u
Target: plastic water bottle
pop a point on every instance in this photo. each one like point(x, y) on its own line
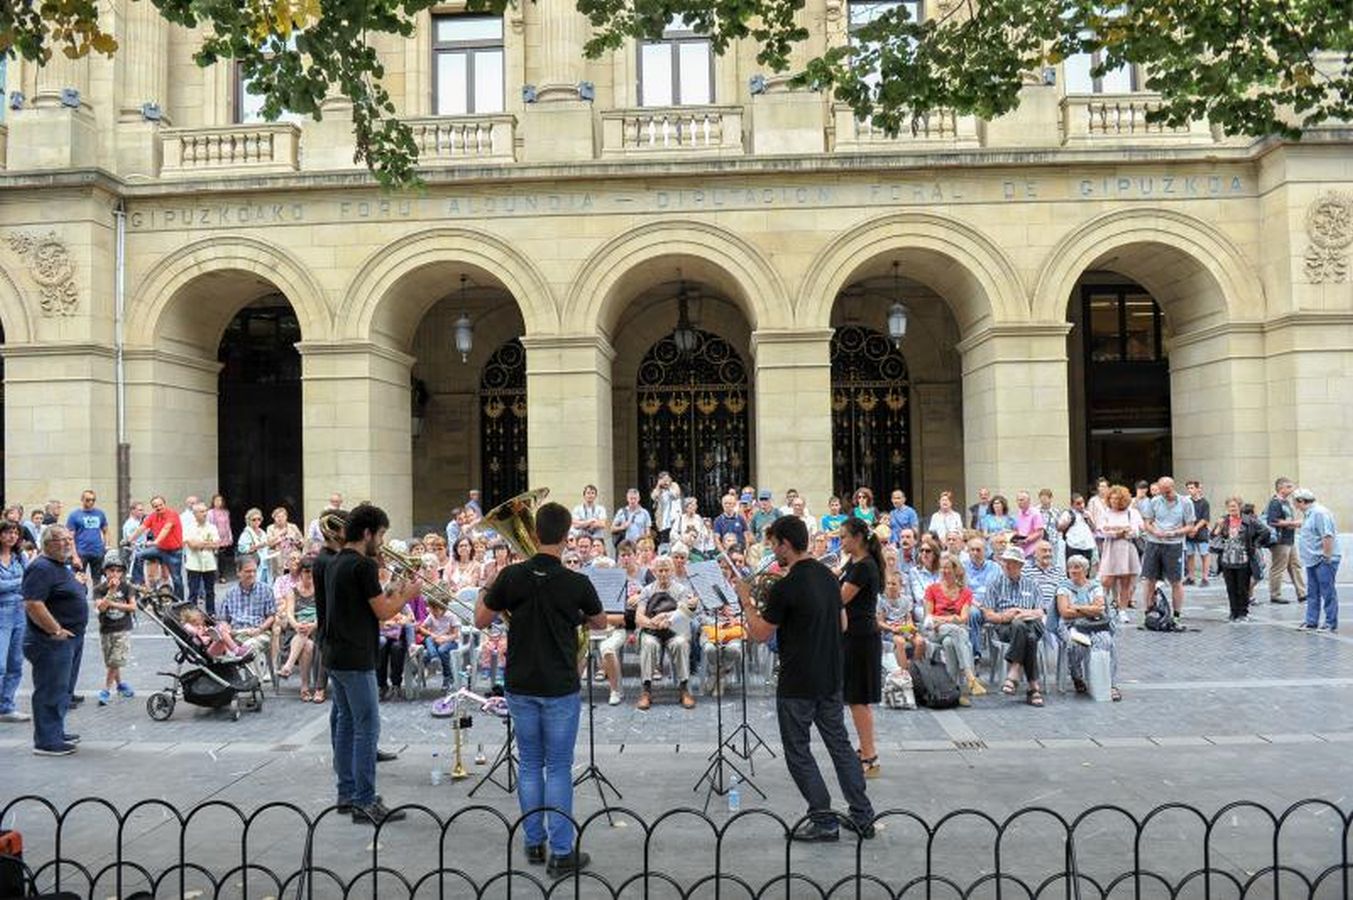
point(734, 795)
point(436, 769)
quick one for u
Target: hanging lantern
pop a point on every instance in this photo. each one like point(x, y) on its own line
point(897, 313)
point(464, 328)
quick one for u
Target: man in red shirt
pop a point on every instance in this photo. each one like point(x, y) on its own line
point(166, 532)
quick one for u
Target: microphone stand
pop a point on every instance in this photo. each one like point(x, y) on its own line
point(593, 772)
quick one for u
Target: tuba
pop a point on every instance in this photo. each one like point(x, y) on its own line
point(514, 521)
point(759, 581)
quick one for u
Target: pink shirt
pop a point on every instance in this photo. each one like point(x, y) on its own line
point(1029, 524)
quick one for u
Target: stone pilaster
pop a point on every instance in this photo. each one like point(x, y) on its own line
point(568, 418)
point(1219, 420)
point(143, 78)
point(59, 423)
point(793, 412)
point(1016, 431)
point(172, 412)
point(936, 442)
point(358, 440)
point(563, 31)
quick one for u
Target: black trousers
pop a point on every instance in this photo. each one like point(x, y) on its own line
point(1237, 589)
point(796, 717)
point(1023, 638)
point(390, 662)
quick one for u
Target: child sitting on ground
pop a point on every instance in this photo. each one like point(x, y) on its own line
point(493, 652)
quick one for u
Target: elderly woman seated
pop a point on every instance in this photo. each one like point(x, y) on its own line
point(1084, 625)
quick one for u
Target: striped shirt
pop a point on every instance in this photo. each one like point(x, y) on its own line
point(1003, 594)
point(1048, 581)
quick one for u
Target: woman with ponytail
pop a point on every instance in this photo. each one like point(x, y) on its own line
point(861, 580)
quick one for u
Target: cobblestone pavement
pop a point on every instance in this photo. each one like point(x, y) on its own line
point(1258, 712)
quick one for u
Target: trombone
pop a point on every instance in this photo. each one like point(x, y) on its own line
point(436, 593)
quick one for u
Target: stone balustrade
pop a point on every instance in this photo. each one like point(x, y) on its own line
point(1094, 118)
point(230, 149)
point(683, 130)
point(941, 128)
point(448, 140)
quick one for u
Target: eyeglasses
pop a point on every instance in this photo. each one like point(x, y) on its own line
point(927, 549)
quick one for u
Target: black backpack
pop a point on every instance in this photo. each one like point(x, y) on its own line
point(933, 687)
point(1160, 615)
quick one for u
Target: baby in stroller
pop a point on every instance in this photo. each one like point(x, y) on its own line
point(213, 637)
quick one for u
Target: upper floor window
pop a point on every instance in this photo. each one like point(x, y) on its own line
point(677, 70)
point(4, 96)
point(1124, 324)
point(249, 106)
point(1121, 80)
point(467, 55)
point(866, 11)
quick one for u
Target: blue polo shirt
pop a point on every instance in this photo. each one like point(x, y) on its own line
point(1315, 527)
point(52, 582)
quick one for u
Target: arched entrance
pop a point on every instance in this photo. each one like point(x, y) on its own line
point(502, 424)
point(692, 414)
point(871, 438)
point(1119, 382)
point(258, 410)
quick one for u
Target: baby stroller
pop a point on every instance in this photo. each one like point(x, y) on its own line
point(199, 679)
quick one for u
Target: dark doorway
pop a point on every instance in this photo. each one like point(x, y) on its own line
point(502, 424)
point(870, 438)
point(1126, 383)
point(693, 417)
point(259, 411)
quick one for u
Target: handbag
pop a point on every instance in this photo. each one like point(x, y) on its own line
point(1090, 626)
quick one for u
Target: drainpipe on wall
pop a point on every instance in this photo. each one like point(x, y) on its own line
point(124, 450)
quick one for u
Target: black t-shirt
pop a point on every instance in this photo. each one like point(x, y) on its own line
point(806, 607)
point(1277, 511)
point(48, 580)
point(113, 620)
point(548, 603)
point(861, 618)
point(322, 559)
point(351, 629)
point(1202, 511)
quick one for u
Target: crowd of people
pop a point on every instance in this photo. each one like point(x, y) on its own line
point(959, 584)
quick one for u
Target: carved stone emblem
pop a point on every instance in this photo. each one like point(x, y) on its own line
point(50, 264)
point(1329, 225)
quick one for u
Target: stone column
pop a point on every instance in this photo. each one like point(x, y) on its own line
point(793, 413)
point(936, 442)
point(1016, 428)
point(559, 125)
point(47, 134)
point(356, 417)
point(143, 78)
point(59, 427)
point(568, 418)
point(172, 412)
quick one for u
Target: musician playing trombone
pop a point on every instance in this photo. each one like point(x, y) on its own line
point(547, 603)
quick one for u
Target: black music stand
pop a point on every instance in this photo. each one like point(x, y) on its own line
point(612, 602)
point(507, 756)
point(751, 740)
point(716, 774)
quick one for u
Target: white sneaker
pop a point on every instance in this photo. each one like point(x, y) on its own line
point(15, 716)
point(615, 698)
point(1124, 617)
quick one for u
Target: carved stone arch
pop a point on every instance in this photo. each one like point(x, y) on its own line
point(366, 306)
point(14, 316)
point(1197, 274)
point(951, 257)
point(706, 253)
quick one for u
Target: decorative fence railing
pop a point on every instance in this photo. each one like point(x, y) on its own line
point(1243, 850)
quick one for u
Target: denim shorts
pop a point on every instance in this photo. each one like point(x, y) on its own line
point(1202, 548)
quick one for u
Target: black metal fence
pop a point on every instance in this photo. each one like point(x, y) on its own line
point(216, 849)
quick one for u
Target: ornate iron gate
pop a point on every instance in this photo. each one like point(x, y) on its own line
point(869, 415)
point(693, 418)
point(502, 424)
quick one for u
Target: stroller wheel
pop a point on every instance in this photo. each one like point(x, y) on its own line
point(256, 701)
point(160, 705)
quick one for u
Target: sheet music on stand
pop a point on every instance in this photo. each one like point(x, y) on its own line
point(713, 591)
point(611, 586)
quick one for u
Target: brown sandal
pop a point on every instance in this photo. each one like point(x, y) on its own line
point(306, 696)
point(1034, 698)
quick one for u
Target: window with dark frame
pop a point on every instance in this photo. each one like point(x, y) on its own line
point(467, 65)
point(248, 108)
point(1123, 324)
point(677, 70)
point(1077, 71)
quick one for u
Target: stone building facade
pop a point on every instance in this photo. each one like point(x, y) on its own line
point(1085, 292)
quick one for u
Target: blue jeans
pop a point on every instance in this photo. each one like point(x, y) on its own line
point(975, 622)
point(173, 561)
point(53, 661)
point(354, 727)
point(13, 623)
point(444, 652)
point(546, 730)
point(1320, 592)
